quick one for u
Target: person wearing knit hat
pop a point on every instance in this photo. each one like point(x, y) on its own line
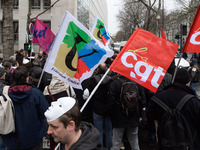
point(172, 96)
point(182, 76)
point(65, 126)
point(2, 71)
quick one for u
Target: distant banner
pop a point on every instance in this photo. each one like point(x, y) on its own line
point(145, 59)
point(43, 35)
point(192, 44)
point(99, 31)
point(75, 53)
point(163, 34)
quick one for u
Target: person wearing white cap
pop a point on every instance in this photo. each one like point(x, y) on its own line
point(65, 126)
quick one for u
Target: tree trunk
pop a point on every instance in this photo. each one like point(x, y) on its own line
point(8, 31)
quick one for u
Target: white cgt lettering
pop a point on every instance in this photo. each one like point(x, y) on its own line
point(193, 38)
point(158, 73)
point(148, 69)
point(145, 74)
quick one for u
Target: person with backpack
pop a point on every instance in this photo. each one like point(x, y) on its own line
point(29, 107)
point(2, 84)
point(176, 109)
point(127, 100)
point(100, 105)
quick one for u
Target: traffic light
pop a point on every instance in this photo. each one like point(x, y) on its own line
point(27, 46)
point(184, 29)
point(177, 36)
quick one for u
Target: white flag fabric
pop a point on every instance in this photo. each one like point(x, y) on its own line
point(75, 53)
point(100, 32)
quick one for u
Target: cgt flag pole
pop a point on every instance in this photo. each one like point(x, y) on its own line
point(94, 90)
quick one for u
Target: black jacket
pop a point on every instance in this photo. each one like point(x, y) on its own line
point(100, 97)
point(89, 139)
point(171, 96)
point(119, 120)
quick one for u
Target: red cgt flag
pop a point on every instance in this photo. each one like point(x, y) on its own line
point(192, 44)
point(145, 59)
point(163, 34)
point(43, 35)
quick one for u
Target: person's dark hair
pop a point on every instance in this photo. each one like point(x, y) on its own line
point(73, 114)
point(14, 63)
point(182, 76)
point(102, 68)
point(6, 64)
point(20, 74)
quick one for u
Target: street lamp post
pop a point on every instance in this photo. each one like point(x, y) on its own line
point(158, 19)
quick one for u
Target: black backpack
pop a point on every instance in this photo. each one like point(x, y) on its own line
point(129, 98)
point(174, 130)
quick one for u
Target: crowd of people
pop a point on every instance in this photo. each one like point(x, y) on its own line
point(52, 109)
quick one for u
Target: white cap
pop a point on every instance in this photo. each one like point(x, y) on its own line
point(59, 107)
point(86, 94)
point(25, 61)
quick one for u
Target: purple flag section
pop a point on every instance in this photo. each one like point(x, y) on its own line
point(43, 35)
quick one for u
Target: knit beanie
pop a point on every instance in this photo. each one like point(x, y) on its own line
point(182, 76)
point(2, 71)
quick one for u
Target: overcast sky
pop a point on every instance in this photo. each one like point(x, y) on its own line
point(113, 9)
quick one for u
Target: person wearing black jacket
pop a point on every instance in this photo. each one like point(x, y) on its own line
point(171, 96)
point(100, 105)
point(120, 122)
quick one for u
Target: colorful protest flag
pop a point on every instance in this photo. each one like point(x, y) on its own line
point(99, 31)
point(145, 59)
point(75, 53)
point(43, 36)
point(163, 34)
point(192, 44)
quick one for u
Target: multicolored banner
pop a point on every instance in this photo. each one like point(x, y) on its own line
point(75, 53)
point(192, 44)
point(99, 31)
point(43, 35)
point(145, 59)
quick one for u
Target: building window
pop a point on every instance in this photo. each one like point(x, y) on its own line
point(47, 4)
point(15, 4)
point(83, 12)
point(48, 23)
point(35, 4)
point(16, 28)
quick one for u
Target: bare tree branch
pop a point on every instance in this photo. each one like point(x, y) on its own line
point(45, 10)
point(147, 6)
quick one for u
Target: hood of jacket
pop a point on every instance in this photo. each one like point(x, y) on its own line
point(89, 139)
point(105, 80)
point(56, 86)
point(19, 93)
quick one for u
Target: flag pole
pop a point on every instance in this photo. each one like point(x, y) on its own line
point(176, 69)
point(94, 90)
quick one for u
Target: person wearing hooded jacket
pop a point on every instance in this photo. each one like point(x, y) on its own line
point(65, 126)
point(171, 96)
point(29, 105)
